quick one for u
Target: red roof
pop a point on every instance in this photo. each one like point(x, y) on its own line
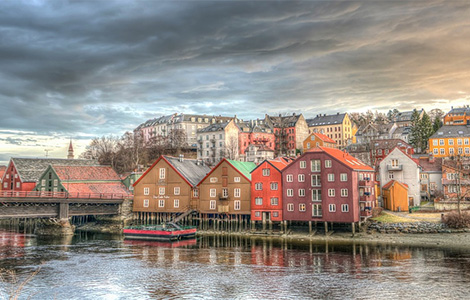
point(86, 173)
point(279, 163)
point(2, 171)
point(100, 188)
point(344, 158)
point(324, 138)
point(392, 182)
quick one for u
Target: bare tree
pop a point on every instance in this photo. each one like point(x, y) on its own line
point(102, 149)
point(231, 147)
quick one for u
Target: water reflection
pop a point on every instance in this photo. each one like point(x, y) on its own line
point(98, 266)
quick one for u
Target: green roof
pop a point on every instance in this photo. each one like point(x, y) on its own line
point(244, 167)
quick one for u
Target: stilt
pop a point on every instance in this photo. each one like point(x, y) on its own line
point(353, 227)
point(326, 227)
point(309, 227)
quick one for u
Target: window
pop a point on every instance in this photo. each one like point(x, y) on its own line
point(258, 186)
point(467, 150)
point(361, 176)
point(394, 162)
point(459, 141)
point(146, 202)
point(274, 186)
point(274, 201)
point(213, 179)
point(176, 190)
point(390, 175)
point(56, 182)
point(316, 210)
point(303, 163)
point(331, 177)
point(236, 192)
point(443, 151)
point(290, 178)
point(465, 141)
point(176, 203)
point(301, 192)
point(275, 214)
point(236, 205)
point(301, 177)
point(212, 204)
point(327, 163)
point(161, 190)
point(8, 176)
point(441, 142)
point(344, 208)
point(316, 195)
point(343, 177)
point(225, 192)
point(162, 173)
point(161, 203)
point(257, 214)
point(344, 192)
point(302, 207)
point(236, 179)
point(451, 142)
point(434, 142)
point(316, 180)
point(332, 207)
point(460, 151)
point(213, 192)
point(290, 193)
point(5, 184)
point(331, 192)
point(195, 193)
point(315, 165)
point(43, 182)
point(146, 191)
point(451, 151)
point(266, 172)
point(435, 151)
point(258, 201)
point(290, 206)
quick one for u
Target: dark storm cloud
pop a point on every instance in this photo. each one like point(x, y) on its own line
point(102, 67)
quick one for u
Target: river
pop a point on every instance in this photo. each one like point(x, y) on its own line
point(98, 266)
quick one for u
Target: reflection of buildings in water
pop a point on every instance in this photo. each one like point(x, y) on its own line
point(12, 244)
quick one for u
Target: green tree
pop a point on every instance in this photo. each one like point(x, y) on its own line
point(436, 124)
point(426, 130)
point(415, 133)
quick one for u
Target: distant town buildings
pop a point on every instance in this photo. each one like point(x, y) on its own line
point(337, 127)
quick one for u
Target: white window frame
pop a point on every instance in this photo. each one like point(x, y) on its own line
point(290, 192)
point(161, 202)
point(317, 180)
point(331, 192)
point(331, 177)
point(212, 204)
point(236, 179)
point(43, 182)
point(327, 163)
point(274, 201)
point(161, 190)
point(316, 195)
point(212, 193)
point(162, 173)
point(146, 191)
point(290, 206)
point(146, 203)
point(176, 190)
point(301, 178)
point(266, 172)
point(176, 203)
point(315, 165)
point(274, 186)
point(303, 164)
point(289, 178)
point(195, 193)
point(302, 207)
point(237, 192)
point(344, 207)
point(343, 177)
point(259, 186)
point(317, 210)
point(236, 205)
point(258, 201)
point(332, 208)
point(344, 192)
point(301, 192)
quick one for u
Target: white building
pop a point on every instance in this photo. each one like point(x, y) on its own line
point(217, 141)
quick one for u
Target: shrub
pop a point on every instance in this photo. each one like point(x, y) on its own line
point(454, 220)
point(376, 211)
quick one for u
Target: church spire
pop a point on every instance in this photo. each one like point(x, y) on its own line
point(70, 155)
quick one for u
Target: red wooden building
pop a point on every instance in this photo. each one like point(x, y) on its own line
point(266, 191)
point(327, 185)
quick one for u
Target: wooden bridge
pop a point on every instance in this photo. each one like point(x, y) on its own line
point(60, 205)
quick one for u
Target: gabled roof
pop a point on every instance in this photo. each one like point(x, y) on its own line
point(321, 120)
point(452, 131)
point(278, 163)
point(459, 111)
point(323, 137)
point(191, 169)
point(214, 127)
point(343, 157)
point(30, 169)
point(244, 167)
point(405, 116)
point(2, 171)
point(429, 164)
point(415, 160)
point(86, 173)
point(390, 144)
point(284, 121)
point(391, 183)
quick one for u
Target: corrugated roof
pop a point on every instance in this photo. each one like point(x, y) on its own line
point(191, 169)
point(321, 120)
point(30, 169)
point(244, 167)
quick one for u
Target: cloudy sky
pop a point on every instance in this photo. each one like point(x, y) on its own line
point(84, 69)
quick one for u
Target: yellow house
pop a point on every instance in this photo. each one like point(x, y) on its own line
point(450, 140)
point(395, 196)
point(337, 127)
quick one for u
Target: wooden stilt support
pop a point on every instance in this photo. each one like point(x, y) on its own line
point(326, 227)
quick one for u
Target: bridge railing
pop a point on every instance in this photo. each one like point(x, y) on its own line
point(61, 195)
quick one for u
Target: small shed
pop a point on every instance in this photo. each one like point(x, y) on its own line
point(395, 196)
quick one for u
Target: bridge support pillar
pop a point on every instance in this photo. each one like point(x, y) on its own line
point(54, 227)
point(63, 211)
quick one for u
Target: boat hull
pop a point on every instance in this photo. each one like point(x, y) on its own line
point(159, 235)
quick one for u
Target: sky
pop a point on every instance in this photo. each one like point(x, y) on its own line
point(84, 69)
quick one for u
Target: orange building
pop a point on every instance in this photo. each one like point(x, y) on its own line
point(317, 139)
point(458, 116)
point(395, 196)
point(450, 140)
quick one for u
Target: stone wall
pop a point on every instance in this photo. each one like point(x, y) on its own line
point(450, 205)
point(420, 227)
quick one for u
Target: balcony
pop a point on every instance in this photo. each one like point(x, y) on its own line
point(394, 168)
point(365, 198)
point(367, 212)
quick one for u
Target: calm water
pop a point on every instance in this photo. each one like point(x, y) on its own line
point(92, 266)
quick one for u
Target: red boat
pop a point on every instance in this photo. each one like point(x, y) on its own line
point(165, 232)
